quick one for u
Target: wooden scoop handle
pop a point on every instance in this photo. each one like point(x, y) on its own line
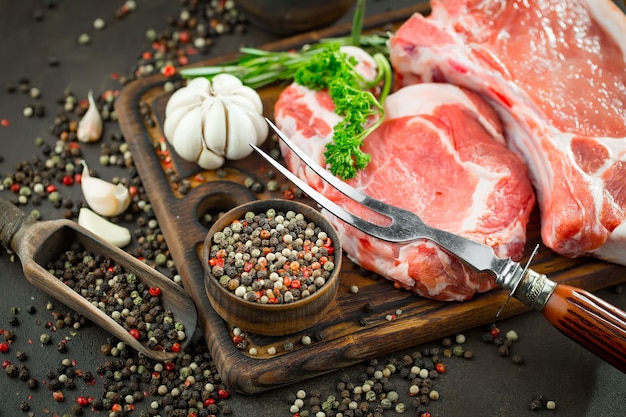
point(591, 322)
point(11, 221)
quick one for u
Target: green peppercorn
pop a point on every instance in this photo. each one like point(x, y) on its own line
point(458, 350)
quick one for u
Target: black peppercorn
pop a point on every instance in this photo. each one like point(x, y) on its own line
point(11, 370)
point(32, 383)
point(23, 373)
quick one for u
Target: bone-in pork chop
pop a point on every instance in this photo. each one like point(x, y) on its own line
point(555, 72)
point(439, 153)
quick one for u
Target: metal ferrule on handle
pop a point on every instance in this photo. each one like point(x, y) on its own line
point(534, 290)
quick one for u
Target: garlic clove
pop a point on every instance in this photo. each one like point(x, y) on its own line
point(210, 160)
point(261, 128)
point(249, 98)
point(187, 138)
point(110, 232)
point(173, 120)
point(240, 134)
point(247, 103)
point(225, 84)
point(103, 197)
point(191, 95)
point(90, 126)
point(214, 129)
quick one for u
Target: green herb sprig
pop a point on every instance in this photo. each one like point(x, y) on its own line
point(323, 66)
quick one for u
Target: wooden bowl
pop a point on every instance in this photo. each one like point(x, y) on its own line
point(272, 319)
point(288, 17)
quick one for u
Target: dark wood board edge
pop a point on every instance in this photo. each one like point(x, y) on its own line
point(249, 375)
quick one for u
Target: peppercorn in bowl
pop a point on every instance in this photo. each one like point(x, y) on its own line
point(272, 266)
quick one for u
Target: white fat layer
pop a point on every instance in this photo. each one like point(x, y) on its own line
point(424, 98)
point(613, 21)
point(613, 249)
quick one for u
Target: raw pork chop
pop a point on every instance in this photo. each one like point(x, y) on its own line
point(555, 72)
point(439, 153)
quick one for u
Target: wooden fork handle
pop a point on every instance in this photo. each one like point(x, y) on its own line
point(11, 221)
point(591, 322)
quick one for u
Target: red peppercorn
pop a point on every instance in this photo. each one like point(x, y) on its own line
point(295, 283)
point(440, 368)
point(5, 364)
point(5, 122)
point(237, 339)
point(425, 414)
point(51, 188)
point(58, 396)
point(4, 347)
point(155, 291)
point(168, 70)
point(116, 408)
point(184, 36)
point(495, 332)
point(82, 401)
point(134, 333)
point(222, 393)
point(288, 195)
point(176, 347)
point(208, 402)
point(219, 262)
point(68, 180)
point(170, 366)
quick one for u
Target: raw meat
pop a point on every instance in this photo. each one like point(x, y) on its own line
point(555, 72)
point(439, 153)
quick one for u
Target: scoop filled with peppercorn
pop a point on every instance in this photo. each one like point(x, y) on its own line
point(272, 266)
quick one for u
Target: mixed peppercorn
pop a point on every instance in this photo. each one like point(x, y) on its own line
point(121, 295)
point(272, 257)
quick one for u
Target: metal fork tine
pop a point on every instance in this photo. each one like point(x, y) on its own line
point(316, 195)
point(341, 186)
point(403, 225)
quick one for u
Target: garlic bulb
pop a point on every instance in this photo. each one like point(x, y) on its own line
point(103, 197)
point(210, 121)
point(90, 126)
point(111, 232)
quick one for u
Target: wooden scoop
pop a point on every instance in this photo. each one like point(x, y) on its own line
point(39, 242)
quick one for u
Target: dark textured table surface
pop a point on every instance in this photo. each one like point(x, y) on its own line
point(45, 53)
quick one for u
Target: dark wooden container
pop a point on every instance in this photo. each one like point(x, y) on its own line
point(272, 319)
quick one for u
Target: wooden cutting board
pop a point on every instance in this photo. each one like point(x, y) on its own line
point(349, 333)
